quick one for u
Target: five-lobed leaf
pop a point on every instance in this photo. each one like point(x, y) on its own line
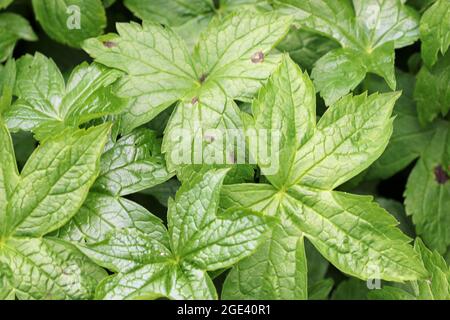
point(352, 232)
point(173, 264)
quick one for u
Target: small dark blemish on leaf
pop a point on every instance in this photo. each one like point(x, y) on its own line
point(231, 158)
point(109, 44)
point(257, 57)
point(194, 100)
point(440, 175)
point(209, 138)
point(203, 77)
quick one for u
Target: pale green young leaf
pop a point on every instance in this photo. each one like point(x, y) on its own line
point(126, 249)
point(70, 22)
point(158, 67)
point(428, 191)
point(55, 181)
point(12, 29)
point(435, 31)
point(432, 92)
point(341, 70)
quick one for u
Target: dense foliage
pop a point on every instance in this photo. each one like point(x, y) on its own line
point(132, 139)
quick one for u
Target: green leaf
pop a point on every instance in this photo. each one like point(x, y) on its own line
point(5, 3)
point(102, 214)
point(409, 139)
point(9, 175)
point(428, 191)
point(368, 32)
point(230, 61)
point(352, 232)
point(46, 105)
point(352, 65)
point(173, 264)
point(70, 21)
point(306, 47)
point(435, 31)
point(158, 68)
point(132, 164)
point(55, 181)
point(126, 249)
point(321, 289)
point(277, 270)
point(170, 13)
point(49, 269)
point(7, 81)
point(289, 94)
point(12, 29)
point(432, 92)
point(337, 223)
point(436, 287)
point(351, 289)
point(355, 130)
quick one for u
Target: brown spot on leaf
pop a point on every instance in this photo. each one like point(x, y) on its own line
point(194, 100)
point(440, 175)
point(203, 77)
point(257, 57)
point(231, 159)
point(209, 138)
point(109, 44)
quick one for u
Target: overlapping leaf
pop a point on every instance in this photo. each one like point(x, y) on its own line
point(351, 231)
point(12, 29)
point(436, 287)
point(230, 61)
point(173, 264)
point(435, 31)
point(70, 22)
point(49, 191)
point(131, 164)
point(46, 104)
point(368, 32)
